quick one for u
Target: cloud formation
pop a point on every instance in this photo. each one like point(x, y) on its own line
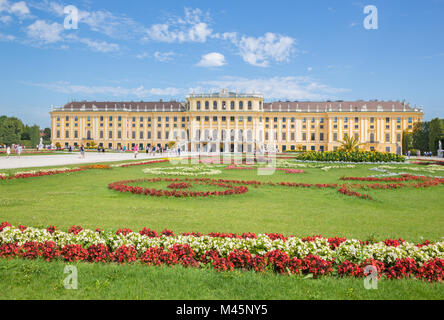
point(213, 59)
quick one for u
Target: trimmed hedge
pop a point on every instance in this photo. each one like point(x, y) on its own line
point(353, 156)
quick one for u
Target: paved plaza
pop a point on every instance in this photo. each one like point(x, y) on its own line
point(74, 158)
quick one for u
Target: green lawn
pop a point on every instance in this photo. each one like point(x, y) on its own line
point(24, 279)
point(82, 198)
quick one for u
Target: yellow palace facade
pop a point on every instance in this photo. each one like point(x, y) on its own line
point(233, 122)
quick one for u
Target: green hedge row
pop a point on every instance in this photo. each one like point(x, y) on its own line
point(351, 156)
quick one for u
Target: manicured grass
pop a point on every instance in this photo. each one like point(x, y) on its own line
point(24, 279)
point(82, 198)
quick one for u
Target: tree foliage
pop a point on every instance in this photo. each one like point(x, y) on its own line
point(10, 130)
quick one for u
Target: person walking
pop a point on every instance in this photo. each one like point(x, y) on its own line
point(8, 152)
point(19, 150)
point(82, 152)
point(136, 151)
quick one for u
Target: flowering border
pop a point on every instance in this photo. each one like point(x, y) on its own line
point(124, 186)
point(316, 255)
point(142, 163)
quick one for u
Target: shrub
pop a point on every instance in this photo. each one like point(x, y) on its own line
point(350, 156)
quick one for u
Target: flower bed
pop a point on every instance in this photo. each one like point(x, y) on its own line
point(354, 156)
point(125, 186)
point(96, 166)
point(231, 188)
point(272, 252)
point(39, 173)
point(198, 170)
point(142, 163)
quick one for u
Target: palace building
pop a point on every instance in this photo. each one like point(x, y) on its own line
point(233, 122)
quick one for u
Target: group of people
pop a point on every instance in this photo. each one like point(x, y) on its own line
point(18, 149)
point(418, 153)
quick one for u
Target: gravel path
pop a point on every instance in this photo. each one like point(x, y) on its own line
point(74, 158)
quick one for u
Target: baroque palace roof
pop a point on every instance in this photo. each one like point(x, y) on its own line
point(278, 106)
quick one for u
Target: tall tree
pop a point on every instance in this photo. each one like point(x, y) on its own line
point(407, 141)
point(10, 131)
point(421, 136)
point(47, 134)
point(34, 133)
point(435, 134)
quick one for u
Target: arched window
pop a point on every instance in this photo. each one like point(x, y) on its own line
point(372, 137)
point(198, 105)
point(250, 105)
point(214, 135)
point(214, 105)
point(207, 135)
point(232, 135)
point(232, 105)
point(249, 136)
point(224, 105)
point(223, 135)
point(241, 135)
point(207, 105)
point(197, 137)
point(241, 105)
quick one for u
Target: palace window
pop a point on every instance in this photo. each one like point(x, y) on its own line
point(198, 105)
point(250, 105)
point(232, 105)
point(207, 105)
point(387, 137)
point(241, 105)
point(214, 105)
point(110, 135)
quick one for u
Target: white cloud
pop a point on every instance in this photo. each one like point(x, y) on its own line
point(213, 59)
point(142, 55)
point(5, 19)
point(139, 92)
point(260, 51)
point(163, 56)
point(41, 31)
point(101, 21)
point(292, 88)
point(6, 37)
point(191, 28)
point(100, 46)
point(20, 9)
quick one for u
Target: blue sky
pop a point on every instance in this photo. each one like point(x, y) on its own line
point(150, 50)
